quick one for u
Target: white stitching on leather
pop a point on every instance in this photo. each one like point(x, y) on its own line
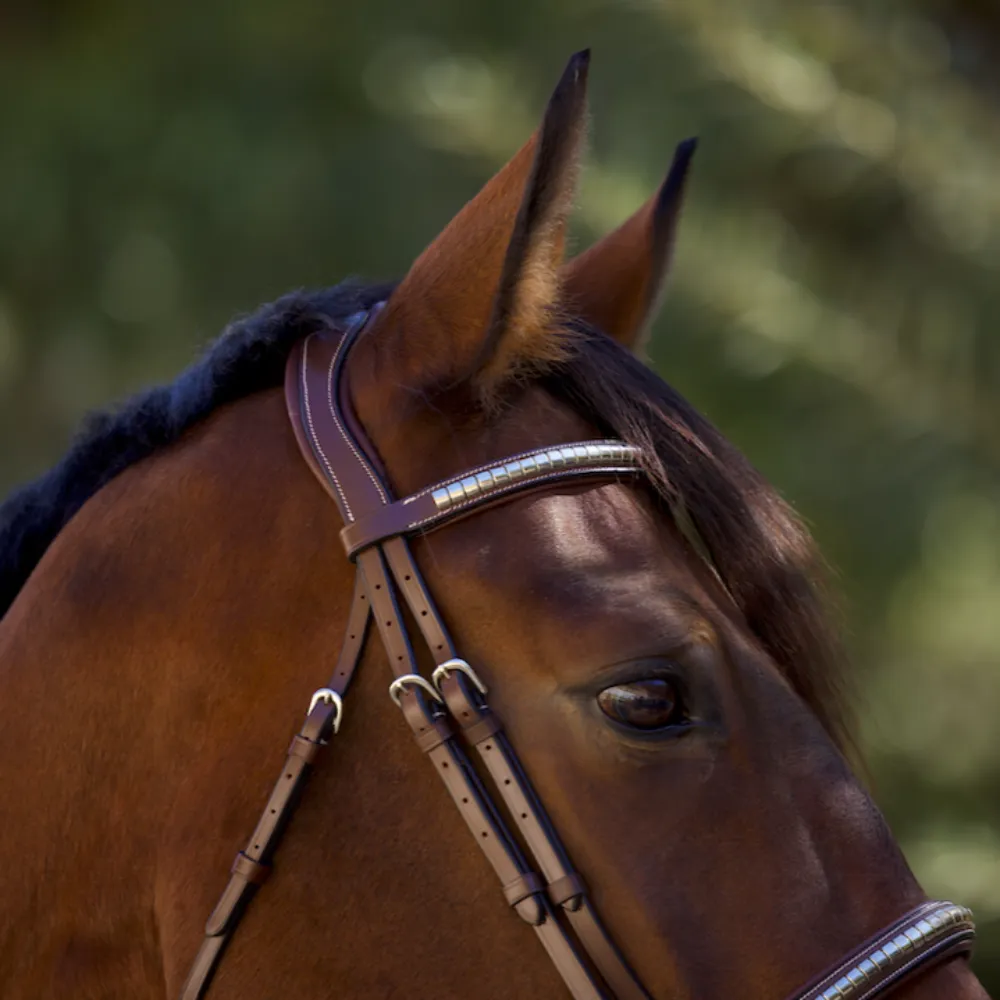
point(312, 429)
point(336, 419)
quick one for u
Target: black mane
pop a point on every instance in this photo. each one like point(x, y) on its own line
point(249, 356)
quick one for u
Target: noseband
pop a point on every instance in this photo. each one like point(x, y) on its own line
point(450, 718)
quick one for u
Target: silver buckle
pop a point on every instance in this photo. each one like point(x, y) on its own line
point(443, 669)
point(329, 697)
point(397, 686)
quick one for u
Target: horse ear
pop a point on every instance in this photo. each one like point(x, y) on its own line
point(476, 307)
point(617, 284)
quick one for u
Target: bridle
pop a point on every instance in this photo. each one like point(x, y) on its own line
point(449, 715)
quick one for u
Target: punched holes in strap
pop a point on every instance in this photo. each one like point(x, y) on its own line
point(524, 890)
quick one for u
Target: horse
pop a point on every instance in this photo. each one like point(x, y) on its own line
point(647, 615)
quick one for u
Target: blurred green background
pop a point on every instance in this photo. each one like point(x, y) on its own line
point(166, 166)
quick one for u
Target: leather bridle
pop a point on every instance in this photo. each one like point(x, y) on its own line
point(449, 715)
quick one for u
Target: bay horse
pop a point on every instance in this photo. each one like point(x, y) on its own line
point(642, 611)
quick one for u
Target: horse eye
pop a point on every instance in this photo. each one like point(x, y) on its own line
point(647, 704)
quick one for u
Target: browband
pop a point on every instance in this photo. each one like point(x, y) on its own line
point(488, 484)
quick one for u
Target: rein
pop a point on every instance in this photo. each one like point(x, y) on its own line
point(450, 717)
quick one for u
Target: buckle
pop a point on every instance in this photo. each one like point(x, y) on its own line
point(397, 687)
point(443, 669)
point(329, 697)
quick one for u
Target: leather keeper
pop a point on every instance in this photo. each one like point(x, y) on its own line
point(429, 728)
point(568, 891)
point(488, 725)
point(307, 749)
point(523, 886)
point(247, 874)
point(522, 894)
point(433, 737)
point(249, 870)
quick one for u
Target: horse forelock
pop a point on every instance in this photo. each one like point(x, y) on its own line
point(766, 557)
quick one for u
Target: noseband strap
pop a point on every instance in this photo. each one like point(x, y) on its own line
point(449, 714)
point(927, 935)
